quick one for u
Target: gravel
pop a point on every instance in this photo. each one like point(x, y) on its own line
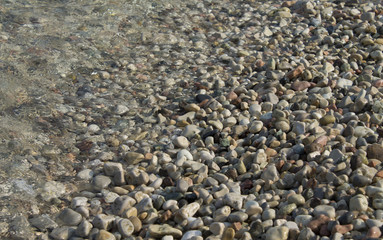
point(198, 120)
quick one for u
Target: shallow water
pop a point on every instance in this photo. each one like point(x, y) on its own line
point(46, 48)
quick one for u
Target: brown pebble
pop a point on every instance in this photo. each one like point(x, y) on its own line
point(231, 95)
point(167, 182)
point(342, 229)
point(373, 232)
point(379, 174)
point(300, 85)
point(322, 140)
point(378, 83)
point(295, 73)
point(324, 231)
point(316, 224)
point(270, 152)
point(237, 226)
point(166, 216)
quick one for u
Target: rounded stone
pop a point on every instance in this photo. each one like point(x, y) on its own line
point(358, 203)
point(298, 199)
point(125, 227)
point(327, 210)
point(277, 233)
point(70, 217)
point(282, 125)
point(328, 119)
point(181, 142)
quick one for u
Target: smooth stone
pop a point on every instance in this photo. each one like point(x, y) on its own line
point(298, 199)
point(158, 231)
point(374, 223)
point(137, 224)
point(373, 232)
point(115, 170)
point(342, 228)
point(270, 173)
point(252, 208)
point(181, 142)
point(306, 233)
point(101, 182)
point(360, 181)
point(43, 222)
point(86, 174)
point(217, 228)
point(84, 229)
point(328, 119)
point(375, 151)
point(287, 209)
point(102, 221)
point(125, 227)
point(191, 234)
point(144, 205)
point(303, 219)
point(105, 235)
point(358, 203)
point(377, 203)
point(268, 214)
point(282, 125)
point(228, 234)
point(234, 200)
point(133, 158)
point(237, 217)
point(190, 131)
point(62, 233)
point(70, 217)
point(277, 233)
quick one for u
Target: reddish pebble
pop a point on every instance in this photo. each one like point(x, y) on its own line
point(315, 225)
point(259, 63)
point(373, 232)
point(342, 229)
point(379, 174)
point(295, 73)
point(324, 231)
point(378, 83)
point(322, 140)
point(300, 85)
point(231, 96)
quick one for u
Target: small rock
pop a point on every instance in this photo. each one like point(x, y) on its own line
point(125, 227)
point(373, 232)
point(181, 142)
point(191, 234)
point(62, 233)
point(375, 151)
point(158, 231)
point(70, 217)
point(358, 203)
point(105, 235)
point(133, 158)
point(271, 173)
point(277, 233)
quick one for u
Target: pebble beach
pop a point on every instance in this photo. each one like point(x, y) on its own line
point(217, 120)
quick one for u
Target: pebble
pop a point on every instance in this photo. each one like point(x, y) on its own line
point(70, 217)
point(358, 203)
point(105, 235)
point(279, 233)
point(240, 120)
point(181, 142)
point(158, 231)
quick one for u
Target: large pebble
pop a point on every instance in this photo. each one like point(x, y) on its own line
point(358, 203)
point(70, 217)
point(158, 231)
point(181, 142)
point(277, 233)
